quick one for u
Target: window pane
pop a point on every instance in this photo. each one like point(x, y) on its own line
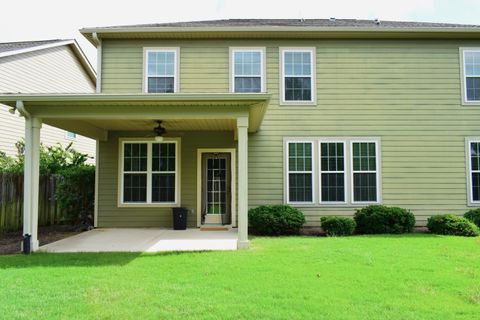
point(163, 157)
point(476, 186)
point(297, 63)
point(298, 89)
point(364, 156)
point(163, 187)
point(473, 88)
point(365, 187)
point(333, 187)
point(248, 84)
point(472, 63)
point(161, 64)
point(300, 156)
point(161, 84)
point(135, 187)
point(331, 154)
point(247, 63)
point(300, 187)
point(135, 157)
point(475, 155)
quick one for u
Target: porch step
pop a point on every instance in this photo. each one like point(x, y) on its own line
point(214, 228)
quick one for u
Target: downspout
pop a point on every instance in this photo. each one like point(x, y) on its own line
point(21, 108)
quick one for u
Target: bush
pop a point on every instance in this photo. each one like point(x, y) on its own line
point(337, 226)
point(451, 224)
point(474, 216)
point(378, 219)
point(76, 193)
point(275, 220)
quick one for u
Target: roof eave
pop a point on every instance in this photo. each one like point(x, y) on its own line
point(279, 31)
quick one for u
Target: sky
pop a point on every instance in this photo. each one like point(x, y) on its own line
point(24, 20)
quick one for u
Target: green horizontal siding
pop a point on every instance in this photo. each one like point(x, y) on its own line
point(406, 92)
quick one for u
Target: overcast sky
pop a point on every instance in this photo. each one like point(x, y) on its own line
point(51, 19)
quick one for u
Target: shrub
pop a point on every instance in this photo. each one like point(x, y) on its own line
point(76, 193)
point(451, 224)
point(381, 219)
point(275, 220)
point(337, 226)
point(474, 216)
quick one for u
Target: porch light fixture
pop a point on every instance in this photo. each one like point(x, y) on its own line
point(159, 131)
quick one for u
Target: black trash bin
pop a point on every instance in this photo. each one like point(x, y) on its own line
point(180, 218)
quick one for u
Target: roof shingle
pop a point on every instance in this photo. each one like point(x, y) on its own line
point(346, 23)
point(12, 46)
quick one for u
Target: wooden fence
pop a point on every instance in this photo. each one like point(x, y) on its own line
point(11, 201)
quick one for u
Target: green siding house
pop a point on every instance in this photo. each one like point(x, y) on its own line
point(220, 116)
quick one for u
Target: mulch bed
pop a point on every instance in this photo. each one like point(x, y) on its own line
point(10, 241)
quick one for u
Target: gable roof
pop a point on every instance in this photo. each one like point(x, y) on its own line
point(332, 22)
point(15, 48)
point(285, 28)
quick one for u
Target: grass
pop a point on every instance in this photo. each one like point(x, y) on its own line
point(361, 277)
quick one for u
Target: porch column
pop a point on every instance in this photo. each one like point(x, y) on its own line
point(31, 180)
point(242, 135)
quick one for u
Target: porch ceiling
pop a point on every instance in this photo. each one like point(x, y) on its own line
point(93, 115)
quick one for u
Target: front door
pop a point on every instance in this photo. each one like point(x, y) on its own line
point(216, 188)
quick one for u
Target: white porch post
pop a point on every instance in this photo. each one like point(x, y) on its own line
point(31, 179)
point(242, 131)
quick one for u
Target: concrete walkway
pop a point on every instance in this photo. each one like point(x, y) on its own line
point(145, 240)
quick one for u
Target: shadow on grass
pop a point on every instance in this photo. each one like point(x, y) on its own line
point(83, 259)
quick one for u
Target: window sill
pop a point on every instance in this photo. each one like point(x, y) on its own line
point(298, 103)
point(332, 205)
point(148, 205)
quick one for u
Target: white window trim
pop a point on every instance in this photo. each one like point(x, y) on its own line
point(287, 170)
point(149, 203)
point(176, 80)
point(313, 76)
point(320, 171)
point(377, 170)
point(468, 153)
point(316, 171)
point(263, 70)
point(68, 137)
point(463, 75)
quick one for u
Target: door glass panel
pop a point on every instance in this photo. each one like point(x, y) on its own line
point(216, 186)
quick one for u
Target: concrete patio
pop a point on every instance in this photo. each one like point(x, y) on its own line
point(145, 240)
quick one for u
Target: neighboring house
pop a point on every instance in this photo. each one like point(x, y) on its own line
point(324, 115)
point(50, 66)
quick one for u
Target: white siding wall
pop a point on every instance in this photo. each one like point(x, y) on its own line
point(53, 70)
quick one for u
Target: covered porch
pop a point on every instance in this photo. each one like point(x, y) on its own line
point(198, 124)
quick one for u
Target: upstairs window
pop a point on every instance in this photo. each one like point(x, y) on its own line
point(247, 70)
point(161, 70)
point(471, 74)
point(298, 75)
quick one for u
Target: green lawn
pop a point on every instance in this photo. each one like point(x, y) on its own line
point(374, 277)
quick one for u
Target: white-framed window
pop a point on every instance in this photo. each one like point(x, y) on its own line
point(470, 58)
point(332, 172)
point(149, 172)
point(161, 70)
point(345, 171)
point(247, 70)
point(70, 135)
point(473, 154)
point(297, 75)
point(300, 172)
point(364, 171)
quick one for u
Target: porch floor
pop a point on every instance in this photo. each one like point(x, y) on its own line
point(145, 240)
